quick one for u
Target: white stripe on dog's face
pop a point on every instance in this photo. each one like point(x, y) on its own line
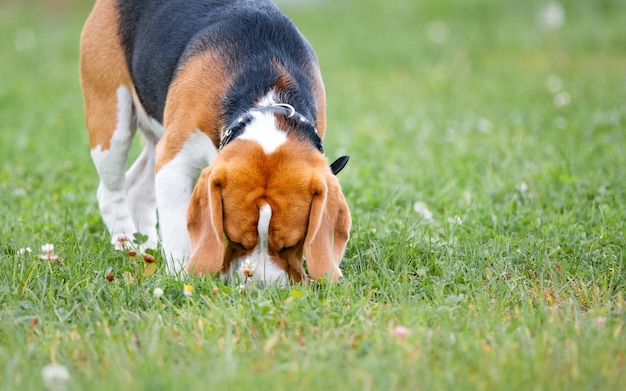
point(265, 270)
point(264, 130)
point(263, 227)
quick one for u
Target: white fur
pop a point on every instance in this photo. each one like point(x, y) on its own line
point(174, 185)
point(264, 130)
point(111, 165)
point(151, 127)
point(127, 201)
point(265, 270)
point(269, 99)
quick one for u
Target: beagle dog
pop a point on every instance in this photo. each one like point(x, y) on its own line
point(230, 101)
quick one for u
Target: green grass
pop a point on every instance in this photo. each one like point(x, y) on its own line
point(517, 281)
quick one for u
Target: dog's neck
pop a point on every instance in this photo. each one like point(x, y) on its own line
point(296, 123)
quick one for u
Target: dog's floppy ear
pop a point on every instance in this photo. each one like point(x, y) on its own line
point(328, 230)
point(339, 164)
point(205, 224)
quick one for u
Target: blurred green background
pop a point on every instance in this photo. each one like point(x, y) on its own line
point(486, 184)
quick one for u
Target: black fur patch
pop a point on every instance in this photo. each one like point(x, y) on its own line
point(253, 37)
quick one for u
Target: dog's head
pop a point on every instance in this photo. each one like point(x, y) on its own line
point(267, 210)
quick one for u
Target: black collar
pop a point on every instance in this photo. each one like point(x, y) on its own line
point(304, 127)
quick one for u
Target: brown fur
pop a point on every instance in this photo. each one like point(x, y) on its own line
point(193, 103)
point(285, 83)
point(103, 70)
point(309, 212)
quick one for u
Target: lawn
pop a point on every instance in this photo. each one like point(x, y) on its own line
point(487, 189)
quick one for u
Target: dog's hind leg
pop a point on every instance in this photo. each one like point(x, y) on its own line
point(108, 98)
point(111, 167)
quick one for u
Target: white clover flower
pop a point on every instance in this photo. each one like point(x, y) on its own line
point(401, 332)
point(24, 250)
point(455, 220)
point(522, 187)
point(158, 292)
point(562, 99)
point(123, 242)
point(554, 83)
point(55, 376)
point(552, 16)
point(47, 248)
point(188, 290)
point(242, 289)
point(423, 211)
point(247, 268)
point(48, 252)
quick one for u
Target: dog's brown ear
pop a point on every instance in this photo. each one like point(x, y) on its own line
point(205, 225)
point(328, 230)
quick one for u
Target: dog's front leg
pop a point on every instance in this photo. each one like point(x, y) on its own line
point(173, 185)
point(179, 164)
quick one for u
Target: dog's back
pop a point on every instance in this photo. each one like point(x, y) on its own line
point(158, 37)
